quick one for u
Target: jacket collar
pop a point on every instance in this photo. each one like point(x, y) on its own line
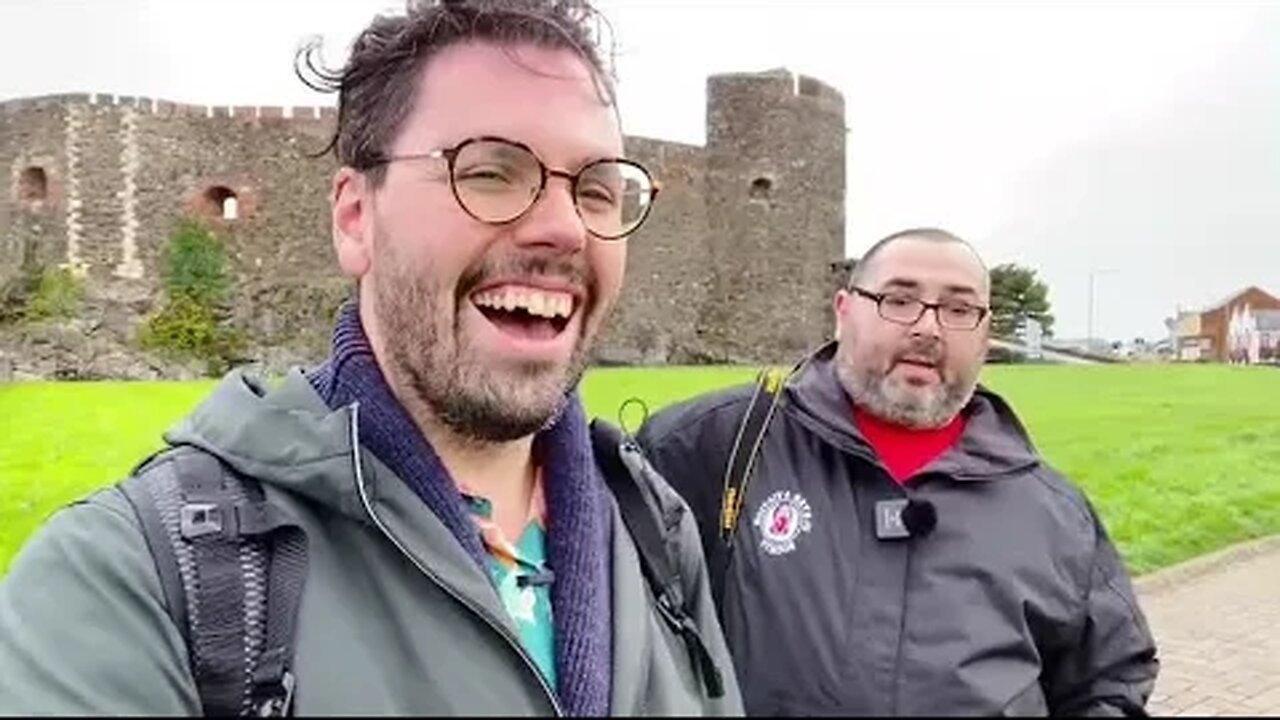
point(994, 443)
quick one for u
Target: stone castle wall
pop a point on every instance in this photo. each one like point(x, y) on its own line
point(733, 264)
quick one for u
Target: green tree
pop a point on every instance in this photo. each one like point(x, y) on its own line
point(1016, 294)
point(195, 265)
point(195, 319)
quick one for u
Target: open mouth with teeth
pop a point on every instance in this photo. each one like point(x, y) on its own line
point(919, 368)
point(526, 312)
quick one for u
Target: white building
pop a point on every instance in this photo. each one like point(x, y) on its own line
point(1253, 336)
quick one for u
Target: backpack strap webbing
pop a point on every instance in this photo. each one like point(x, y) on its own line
point(232, 567)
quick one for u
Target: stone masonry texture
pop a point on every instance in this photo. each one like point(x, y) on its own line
point(735, 264)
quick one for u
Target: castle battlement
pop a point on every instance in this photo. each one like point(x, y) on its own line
point(168, 108)
point(779, 83)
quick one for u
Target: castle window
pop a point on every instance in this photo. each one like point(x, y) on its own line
point(761, 188)
point(222, 202)
point(33, 185)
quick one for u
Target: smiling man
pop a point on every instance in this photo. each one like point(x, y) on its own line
point(885, 540)
point(435, 476)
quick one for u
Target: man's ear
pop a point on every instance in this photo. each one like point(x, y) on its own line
point(352, 211)
point(839, 308)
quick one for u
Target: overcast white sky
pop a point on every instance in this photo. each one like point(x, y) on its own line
point(1140, 141)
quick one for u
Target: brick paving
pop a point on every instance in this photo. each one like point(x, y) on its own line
point(1217, 629)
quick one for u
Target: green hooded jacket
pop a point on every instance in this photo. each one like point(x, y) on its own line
point(395, 617)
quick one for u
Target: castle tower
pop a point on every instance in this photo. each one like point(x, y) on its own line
point(775, 211)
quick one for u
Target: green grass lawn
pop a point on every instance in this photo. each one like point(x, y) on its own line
point(1179, 460)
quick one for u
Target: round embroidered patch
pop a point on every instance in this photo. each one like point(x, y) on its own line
point(780, 520)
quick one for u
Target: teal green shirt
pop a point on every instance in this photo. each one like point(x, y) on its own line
point(530, 606)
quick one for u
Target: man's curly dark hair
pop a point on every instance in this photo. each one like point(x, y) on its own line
point(377, 88)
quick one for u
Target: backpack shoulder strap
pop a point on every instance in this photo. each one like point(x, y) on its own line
point(746, 446)
point(623, 466)
point(232, 568)
point(146, 493)
point(741, 464)
point(739, 468)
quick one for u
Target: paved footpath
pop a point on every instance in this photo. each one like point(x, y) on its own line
point(1217, 626)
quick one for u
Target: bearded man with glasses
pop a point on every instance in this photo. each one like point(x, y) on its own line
point(436, 476)
point(884, 538)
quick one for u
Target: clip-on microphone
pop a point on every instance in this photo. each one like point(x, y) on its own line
point(903, 518)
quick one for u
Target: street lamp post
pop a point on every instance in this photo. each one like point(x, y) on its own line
point(1088, 338)
point(1093, 274)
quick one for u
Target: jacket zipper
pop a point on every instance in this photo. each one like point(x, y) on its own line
point(494, 624)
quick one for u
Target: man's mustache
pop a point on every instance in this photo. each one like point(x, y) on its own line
point(929, 351)
point(575, 273)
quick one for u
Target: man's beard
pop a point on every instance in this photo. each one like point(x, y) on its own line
point(440, 370)
point(897, 402)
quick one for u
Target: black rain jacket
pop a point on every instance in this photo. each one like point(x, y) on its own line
point(1016, 603)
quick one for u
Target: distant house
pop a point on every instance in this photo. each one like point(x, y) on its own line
point(1253, 336)
point(1241, 328)
point(1269, 336)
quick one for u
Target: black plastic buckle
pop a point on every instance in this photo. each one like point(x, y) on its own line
point(200, 519)
point(243, 519)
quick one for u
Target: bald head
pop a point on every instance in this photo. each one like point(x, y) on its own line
point(865, 271)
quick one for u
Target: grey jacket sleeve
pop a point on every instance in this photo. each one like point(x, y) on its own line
point(83, 628)
point(1110, 669)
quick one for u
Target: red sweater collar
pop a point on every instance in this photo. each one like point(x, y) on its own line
point(904, 451)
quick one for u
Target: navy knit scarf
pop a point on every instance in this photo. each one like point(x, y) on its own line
point(579, 527)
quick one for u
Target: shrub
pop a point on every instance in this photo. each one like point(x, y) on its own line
point(57, 295)
point(195, 265)
point(194, 322)
point(41, 293)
